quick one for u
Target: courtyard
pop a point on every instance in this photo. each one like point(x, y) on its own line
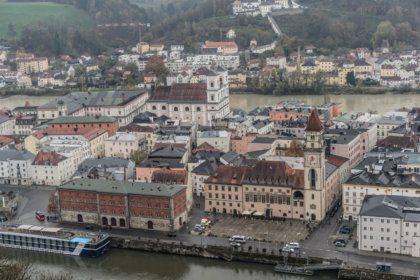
point(258, 229)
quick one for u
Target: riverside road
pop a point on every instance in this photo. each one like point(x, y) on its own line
point(319, 243)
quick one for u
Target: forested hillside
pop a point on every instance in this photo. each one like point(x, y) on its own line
point(355, 23)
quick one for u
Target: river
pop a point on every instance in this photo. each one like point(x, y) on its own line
point(361, 103)
point(132, 265)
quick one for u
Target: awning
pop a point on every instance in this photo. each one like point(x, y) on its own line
point(258, 214)
point(247, 213)
point(36, 228)
point(51, 230)
point(25, 227)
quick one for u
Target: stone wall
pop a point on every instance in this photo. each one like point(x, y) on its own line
point(71, 216)
point(356, 274)
point(215, 252)
point(243, 254)
point(142, 223)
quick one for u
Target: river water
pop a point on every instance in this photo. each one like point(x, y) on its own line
point(362, 103)
point(130, 265)
point(355, 102)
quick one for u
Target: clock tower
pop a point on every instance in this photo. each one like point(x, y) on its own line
point(314, 166)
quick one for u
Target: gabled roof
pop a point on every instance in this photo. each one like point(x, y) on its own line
point(168, 176)
point(314, 123)
point(168, 152)
point(48, 158)
point(208, 167)
point(188, 92)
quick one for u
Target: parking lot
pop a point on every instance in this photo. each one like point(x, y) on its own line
point(31, 199)
point(273, 231)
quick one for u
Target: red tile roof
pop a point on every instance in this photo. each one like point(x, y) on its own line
point(275, 173)
point(270, 173)
point(232, 175)
point(168, 176)
point(404, 142)
point(336, 160)
point(88, 133)
point(5, 140)
point(314, 124)
point(138, 128)
point(228, 44)
point(189, 92)
point(48, 158)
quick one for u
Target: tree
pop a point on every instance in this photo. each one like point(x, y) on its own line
point(21, 269)
point(138, 156)
point(156, 65)
point(11, 30)
point(350, 79)
point(384, 31)
point(52, 204)
point(295, 149)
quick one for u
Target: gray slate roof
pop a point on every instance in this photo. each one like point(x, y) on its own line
point(15, 155)
point(392, 206)
point(206, 168)
point(329, 169)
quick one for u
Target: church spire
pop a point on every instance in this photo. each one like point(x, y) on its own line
point(314, 123)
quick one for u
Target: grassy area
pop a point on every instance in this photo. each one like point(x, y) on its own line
point(21, 14)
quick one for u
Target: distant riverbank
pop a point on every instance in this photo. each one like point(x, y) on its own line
point(334, 91)
point(4, 93)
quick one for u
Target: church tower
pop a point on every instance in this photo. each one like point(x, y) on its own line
point(314, 165)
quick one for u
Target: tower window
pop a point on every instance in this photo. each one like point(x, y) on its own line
point(312, 178)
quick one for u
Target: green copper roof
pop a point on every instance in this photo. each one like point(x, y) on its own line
point(83, 119)
point(139, 188)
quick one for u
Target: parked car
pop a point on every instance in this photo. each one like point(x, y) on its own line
point(238, 239)
point(89, 227)
point(294, 245)
point(339, 243)
point(40, 216)
point(288, 249)
point(199, 228)
point(345, 229)
point(235, 244)
point(171, 234)
point(3, 219)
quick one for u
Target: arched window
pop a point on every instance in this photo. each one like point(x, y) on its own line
point(176, 109)
point(163, 107)
point(198, 109)
point(312, 178)
point(187, 109)
point(153, 107)
point(80, 218)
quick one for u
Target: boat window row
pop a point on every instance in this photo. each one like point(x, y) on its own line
point(34, 242)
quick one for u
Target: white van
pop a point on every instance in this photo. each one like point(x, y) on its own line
point(238, 238)
point(294, 245)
